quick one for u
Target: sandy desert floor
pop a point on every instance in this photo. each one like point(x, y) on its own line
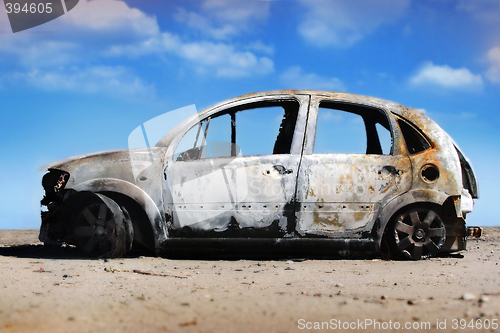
point(57, 290)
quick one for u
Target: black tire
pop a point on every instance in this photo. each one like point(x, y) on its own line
point(417, 233)
point(99, 228)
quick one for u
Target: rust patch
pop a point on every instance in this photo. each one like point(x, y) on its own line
point(359, 216)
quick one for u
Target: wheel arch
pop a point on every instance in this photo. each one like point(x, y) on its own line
point(412, 198)
point(149, 226)
point(99, 227)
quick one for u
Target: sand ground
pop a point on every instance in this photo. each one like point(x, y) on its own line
point(57, 290)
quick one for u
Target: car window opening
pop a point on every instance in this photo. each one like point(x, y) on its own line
point(264, 128)
point(415, 141)
point(344, 128)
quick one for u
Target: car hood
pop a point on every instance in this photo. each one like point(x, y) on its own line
point(127, 164)
point(67, 164)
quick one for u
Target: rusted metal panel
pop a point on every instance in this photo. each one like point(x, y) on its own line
point(341, 193)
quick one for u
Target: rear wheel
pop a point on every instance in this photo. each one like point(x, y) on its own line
point(100, 228)
point(417, 233)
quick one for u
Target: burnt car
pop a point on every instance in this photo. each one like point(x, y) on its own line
point(309, 169)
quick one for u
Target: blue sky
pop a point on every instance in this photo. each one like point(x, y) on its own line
point(83, 82)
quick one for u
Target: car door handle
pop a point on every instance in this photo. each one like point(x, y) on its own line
point(391, 169)
point(282, 170)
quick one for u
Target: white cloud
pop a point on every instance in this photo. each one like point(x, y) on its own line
point(483, 11)
point(342, 23)
point(295, 78)
point(261, 47)
point(115, 81)
point(105, 16)
point(111, 28)
point(101, 16)
point(493, 58)
point(79, 35)
point(446, 77)
point(28, 52)
point(225, 60)
point(203, 24)
point(214, 58)
point(237, 10)
point(222, 19)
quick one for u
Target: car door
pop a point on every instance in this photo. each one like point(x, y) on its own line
point(349, 168)
point(233, 172)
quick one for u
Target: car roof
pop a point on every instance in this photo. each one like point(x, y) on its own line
point(417, 116)
point(341, 96)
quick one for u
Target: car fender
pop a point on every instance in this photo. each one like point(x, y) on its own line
point(424, 196)
point(134, 192)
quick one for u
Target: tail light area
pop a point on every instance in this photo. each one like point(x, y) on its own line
point(468, 177)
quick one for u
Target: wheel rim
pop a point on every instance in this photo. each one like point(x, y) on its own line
point(419, 233)
point(94, 229)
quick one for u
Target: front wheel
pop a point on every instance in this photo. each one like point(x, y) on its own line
point(100, 228)
point(417, 233)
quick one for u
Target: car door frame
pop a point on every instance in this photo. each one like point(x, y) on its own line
point(283, 212)
point(309, 211)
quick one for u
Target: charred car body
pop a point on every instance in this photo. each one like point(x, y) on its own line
point(351, 173)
